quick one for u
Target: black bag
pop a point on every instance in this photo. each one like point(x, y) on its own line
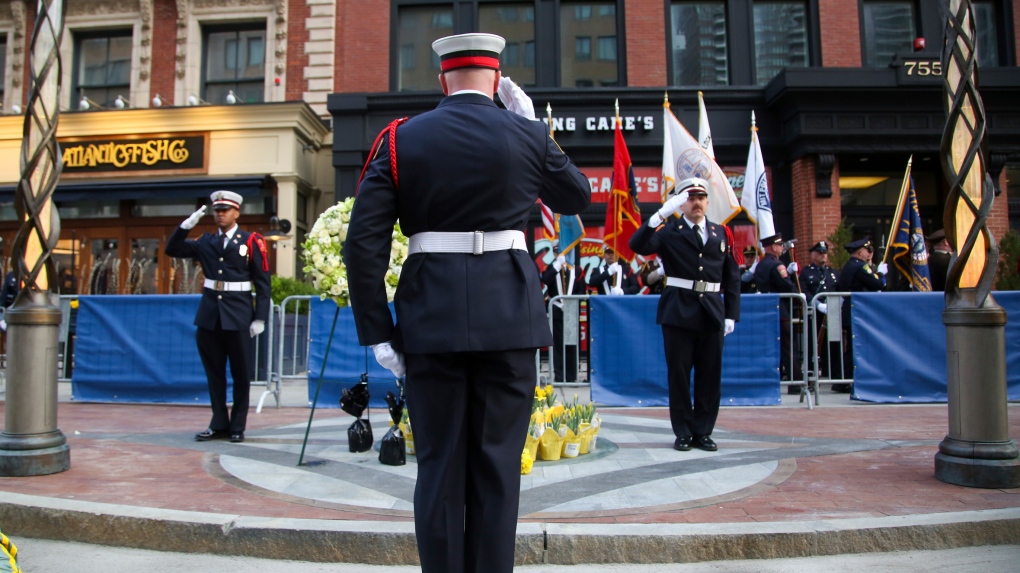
point(391, 449)
point(354, 400)
point(359, 436)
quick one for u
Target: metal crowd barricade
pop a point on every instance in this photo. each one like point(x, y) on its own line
point(797, 333)
point(571, 325)
point(827, 328)
point(294, 338)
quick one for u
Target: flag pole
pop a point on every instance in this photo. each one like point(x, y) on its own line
point(899, 206)
point(616, 200)
point(757, 229)
point(548, 113)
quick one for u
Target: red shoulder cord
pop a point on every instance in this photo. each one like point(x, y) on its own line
point(390, 130)
point(261, 244)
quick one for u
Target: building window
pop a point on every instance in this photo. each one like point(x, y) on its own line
point(516, 23)
point(986, 29)
point(700, 56)
point(102, 65)
point(579, 23)
point(235, 61)
point(88, 209)
point(780, 38)
point(420, 26)
point(889, 29)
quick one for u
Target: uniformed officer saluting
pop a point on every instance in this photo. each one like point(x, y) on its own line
point(462, 179)
point(857, 276)
point(699, 307)
point(233, 262)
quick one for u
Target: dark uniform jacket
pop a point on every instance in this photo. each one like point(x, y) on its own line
point(815, 279)
point(465, 166)
point(234, 309)
point(555, 282)
point(603, 280)
point(858, 276)
point(938, 265)
point(11, 288)
point(676, 245)
point(771, 276)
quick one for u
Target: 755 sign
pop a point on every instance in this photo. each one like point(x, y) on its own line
point(919, 70)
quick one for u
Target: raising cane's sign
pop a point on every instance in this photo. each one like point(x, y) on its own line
point(135, 155)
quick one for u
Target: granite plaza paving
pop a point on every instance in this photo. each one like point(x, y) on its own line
point(786, 482)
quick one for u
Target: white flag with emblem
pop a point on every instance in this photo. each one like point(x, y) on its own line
point(755, 198)
point(683, 158)
point(704, 130)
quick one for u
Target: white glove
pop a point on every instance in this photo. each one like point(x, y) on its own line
point(559, 262)
point(823, 308)
point(514, 98)
point(3, 325)
point(256, 328)
point(728, 326)
point(191, 221)
point(613, 268)
point(655, 276)
point(883, 268)
point(672, 205)
point(792, 267)
point(616, 291)
point(389, 359)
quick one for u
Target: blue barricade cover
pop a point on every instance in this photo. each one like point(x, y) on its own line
point(900, 346)
point(627, 356)
point(138, 348)
point(347, 359)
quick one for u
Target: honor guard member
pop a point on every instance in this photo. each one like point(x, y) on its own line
point(819, 277)
point(230, 314)
point(938, 260)
point(462, 180)
point(772, 276)
point(699, 307)
point(858, 275)
point(562, 278)
point(613, 277)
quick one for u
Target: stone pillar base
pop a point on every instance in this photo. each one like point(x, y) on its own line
point(33, 454)
point(972, 472)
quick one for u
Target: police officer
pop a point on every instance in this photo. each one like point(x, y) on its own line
point(613, 277)
point(772, 276)
point(819, 277)
point(562, 278)
point(462, 179)
point(858, 275)
point(938, 260)
point(229, 315)
point(699, 307)
point(8, 293)
point(747, 284)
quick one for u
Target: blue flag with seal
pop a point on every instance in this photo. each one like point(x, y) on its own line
point(907, 248)
point(571, 232)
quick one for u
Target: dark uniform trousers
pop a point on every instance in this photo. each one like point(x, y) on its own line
point(224, 317)
point(468, 325)
point(692, 322)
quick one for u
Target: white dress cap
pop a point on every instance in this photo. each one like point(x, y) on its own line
point(226, 200)
point(474, 50)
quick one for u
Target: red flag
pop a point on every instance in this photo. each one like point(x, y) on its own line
point(622, 214)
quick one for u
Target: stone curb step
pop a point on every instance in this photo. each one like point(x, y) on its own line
point(393, 543)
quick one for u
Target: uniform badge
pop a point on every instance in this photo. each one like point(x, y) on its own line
point(867, 268)
point(722, 246)
point(782, 271)
point(243, 250)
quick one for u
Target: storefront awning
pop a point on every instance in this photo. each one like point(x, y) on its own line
point(148, 189)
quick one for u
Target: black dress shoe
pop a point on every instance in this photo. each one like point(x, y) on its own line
point(237, 438)
point(705, 443)
point(683, 443)
point(210, 434)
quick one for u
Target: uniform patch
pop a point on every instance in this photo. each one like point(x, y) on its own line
point(243, 250)
point(782, 271)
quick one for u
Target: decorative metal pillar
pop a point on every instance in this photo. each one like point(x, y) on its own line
point(31, 444)
point(978, 451)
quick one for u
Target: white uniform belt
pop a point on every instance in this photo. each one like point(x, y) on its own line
point(227, 285)
point(471, 242)
point(697, 286)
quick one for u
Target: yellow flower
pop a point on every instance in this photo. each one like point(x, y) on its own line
point(74, 303)
point(526, 462)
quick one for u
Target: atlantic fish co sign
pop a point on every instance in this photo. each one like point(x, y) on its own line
point(135, 155)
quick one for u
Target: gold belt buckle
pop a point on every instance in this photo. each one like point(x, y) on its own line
point(219, 285)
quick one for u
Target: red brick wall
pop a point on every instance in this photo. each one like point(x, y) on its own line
point(814, 218)
point(998, 218)
point(164, 51)
point(646, 43)
point(841, 34)
point(30, 12)
point(362, 59)
point(297, 35)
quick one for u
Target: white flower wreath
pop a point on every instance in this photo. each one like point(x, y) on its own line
point(323, 258)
